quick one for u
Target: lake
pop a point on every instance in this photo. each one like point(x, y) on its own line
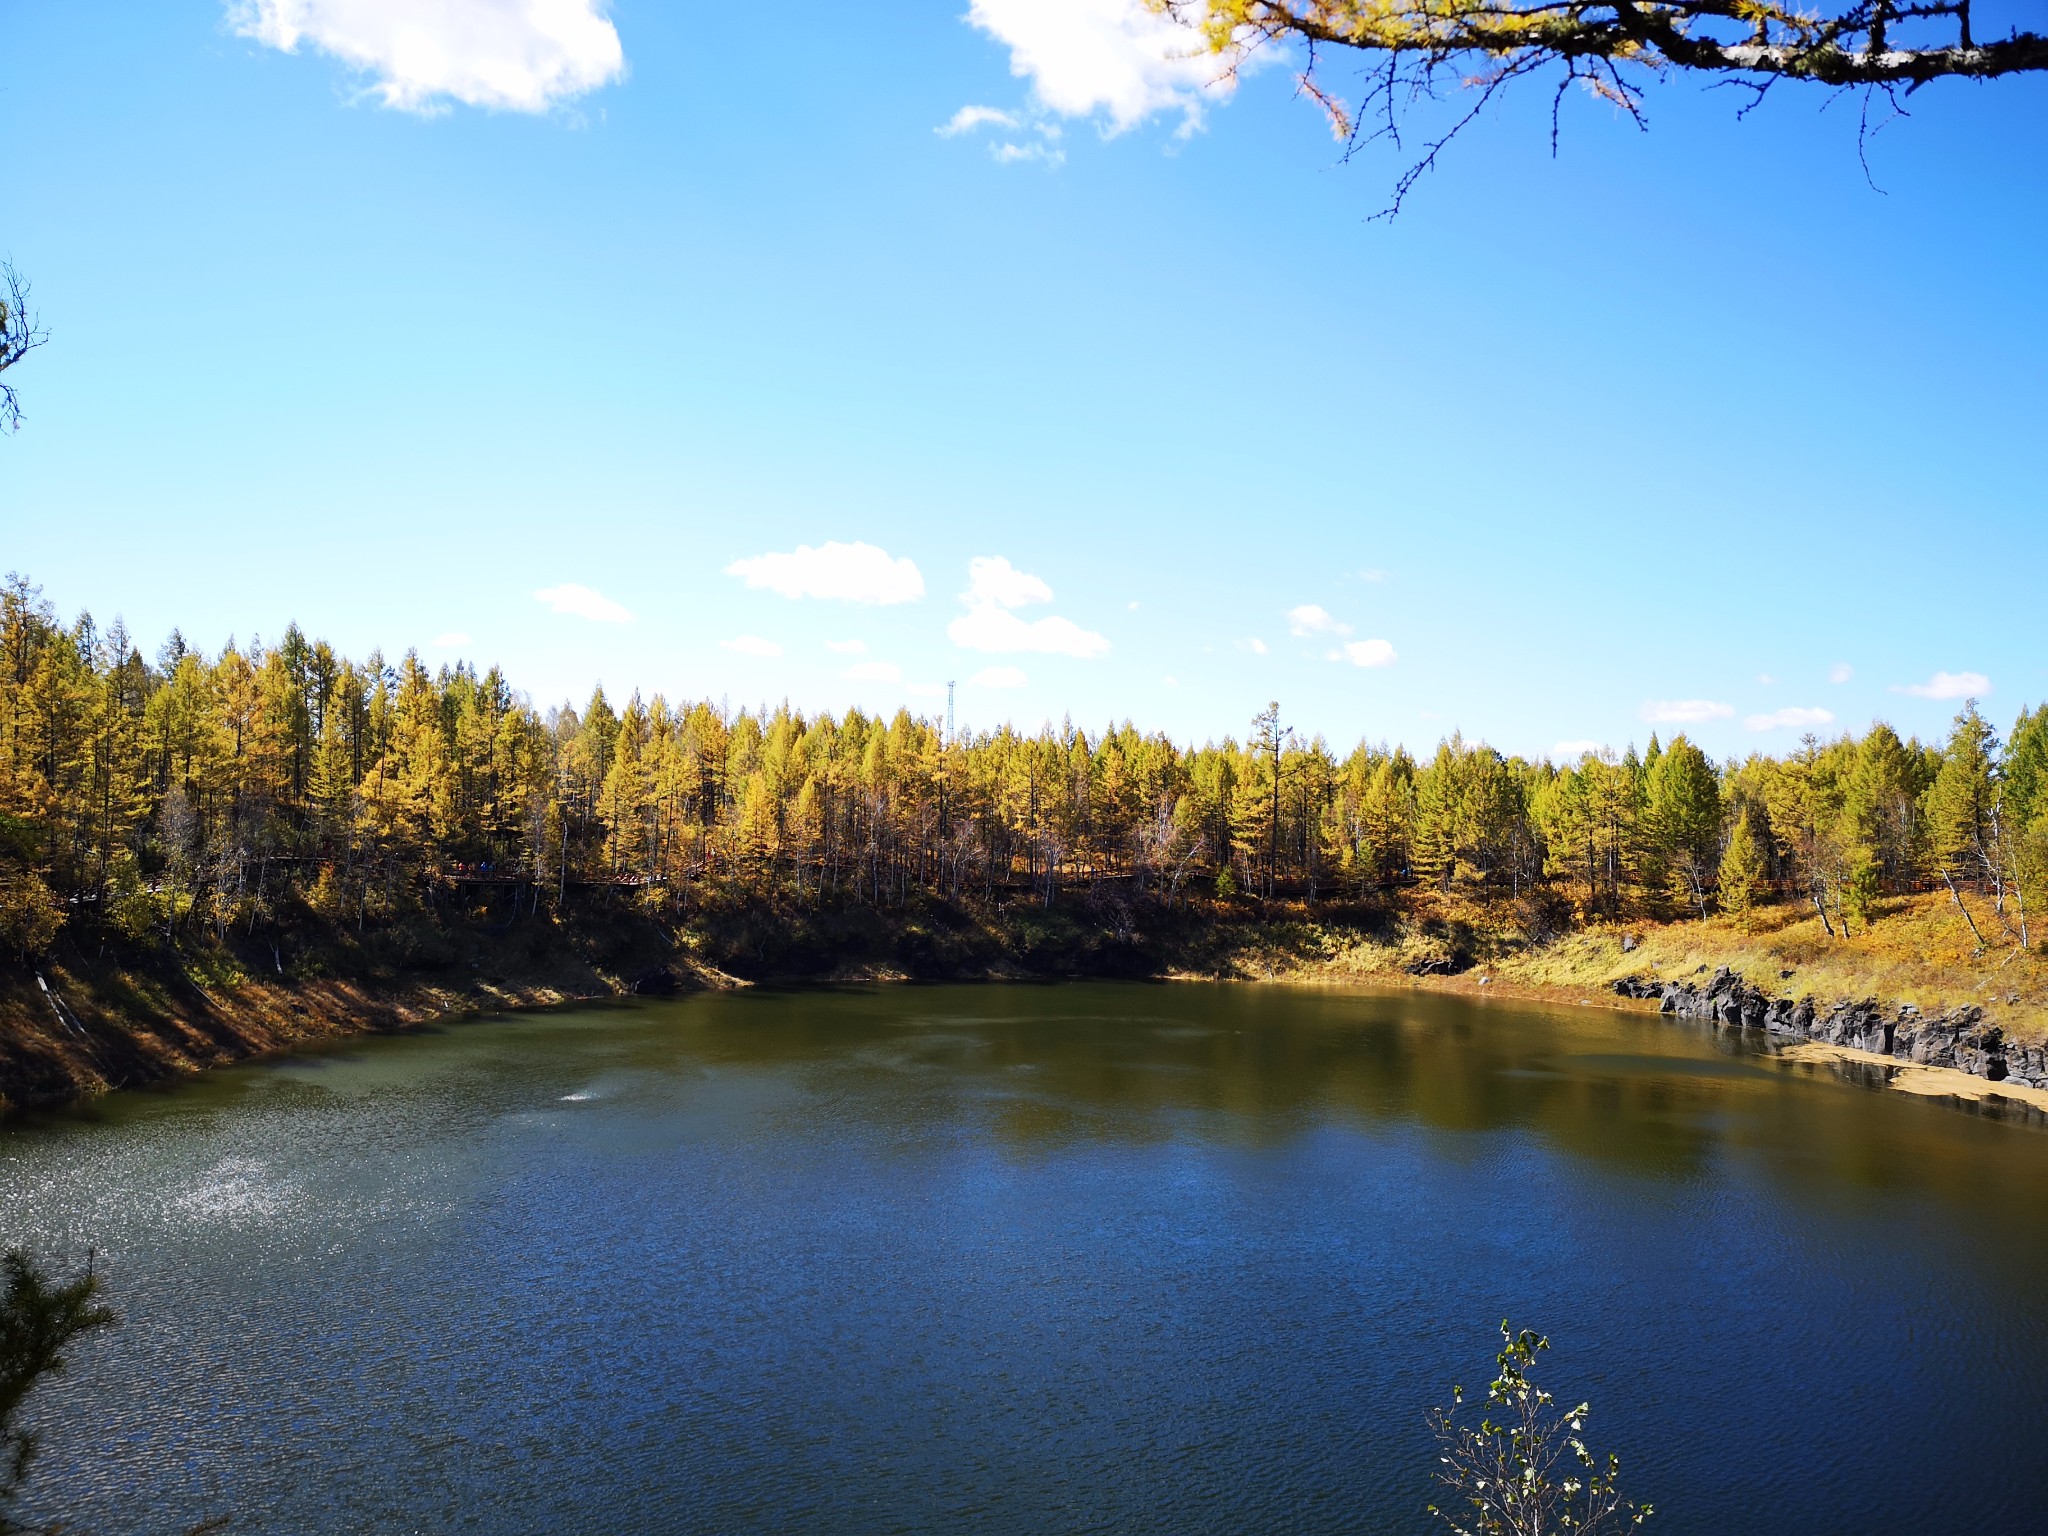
point(1010, 1259)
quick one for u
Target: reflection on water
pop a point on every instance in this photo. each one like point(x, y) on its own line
point(1001, 1259)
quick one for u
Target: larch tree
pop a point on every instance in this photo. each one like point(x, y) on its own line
point(2023, 793)
point(263, 790)
point(1269, 739)
point(1803, 798)
point(1742, 871)
point(1684, 814)
point(1435, 837)
point(1959, 808)
point(1387, 812)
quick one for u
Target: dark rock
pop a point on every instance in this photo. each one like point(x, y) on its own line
point(1956, 1039)
point(1934, 1044)
point(1981, 1051)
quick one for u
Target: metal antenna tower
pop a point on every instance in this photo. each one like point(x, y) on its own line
point(949, 712)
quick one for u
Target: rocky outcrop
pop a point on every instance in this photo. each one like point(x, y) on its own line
point(1959, 1038)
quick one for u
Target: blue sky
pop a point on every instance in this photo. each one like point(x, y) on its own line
point(1678, 430)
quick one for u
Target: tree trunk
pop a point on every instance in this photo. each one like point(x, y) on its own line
point(1821, 907)
point(1957, 897)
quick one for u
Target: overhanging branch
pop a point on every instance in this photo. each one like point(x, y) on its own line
point(1613, 48)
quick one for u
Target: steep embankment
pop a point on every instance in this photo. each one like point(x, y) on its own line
point(102, 1015)
point(65, 1032)
point(91, 1018)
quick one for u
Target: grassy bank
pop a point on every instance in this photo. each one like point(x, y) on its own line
point(123, 1015)
point(1919, 951)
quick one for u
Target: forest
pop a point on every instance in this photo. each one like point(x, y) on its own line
point(166, 799)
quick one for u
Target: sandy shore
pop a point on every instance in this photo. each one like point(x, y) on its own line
point(1928, 1082)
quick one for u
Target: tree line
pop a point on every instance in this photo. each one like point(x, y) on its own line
point(230, 792)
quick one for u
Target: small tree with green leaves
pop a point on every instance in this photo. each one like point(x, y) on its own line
point(1522, 1470)
point(40, 1316)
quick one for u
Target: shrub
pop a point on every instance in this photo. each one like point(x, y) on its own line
point(1527, 1471)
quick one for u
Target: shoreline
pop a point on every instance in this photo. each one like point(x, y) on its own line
point(1916, 1079)
point(271, 1020)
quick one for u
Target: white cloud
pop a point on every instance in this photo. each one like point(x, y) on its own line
point(1372, 574)
point(1365, 653)
point(847, 647)
point(1132, 605)
point(1766, 679)
point(1948, 685)
point(1572, 751)
point(419, 55)
point(1310, 619)
point(1791, 718)
point(999, 677)
point(1117, 60)
point(926, 690)
point(992, 579)
point(1685, 711)
point(851, 573)
point(1841, 672)
point(1255, 645)
point(994, 587)
point(985, 627)
point(1007, 153)
point(584, 603)
point(967, 119)
point(875, 672)
point(750, 645)
point(449, 641)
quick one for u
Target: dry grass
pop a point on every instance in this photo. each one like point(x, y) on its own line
point(1918, 951)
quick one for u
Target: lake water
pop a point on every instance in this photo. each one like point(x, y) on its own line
point(1030, 1259)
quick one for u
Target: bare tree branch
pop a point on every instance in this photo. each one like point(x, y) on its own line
point(19, 336)
point(1611, 48)
point(1869, 42)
